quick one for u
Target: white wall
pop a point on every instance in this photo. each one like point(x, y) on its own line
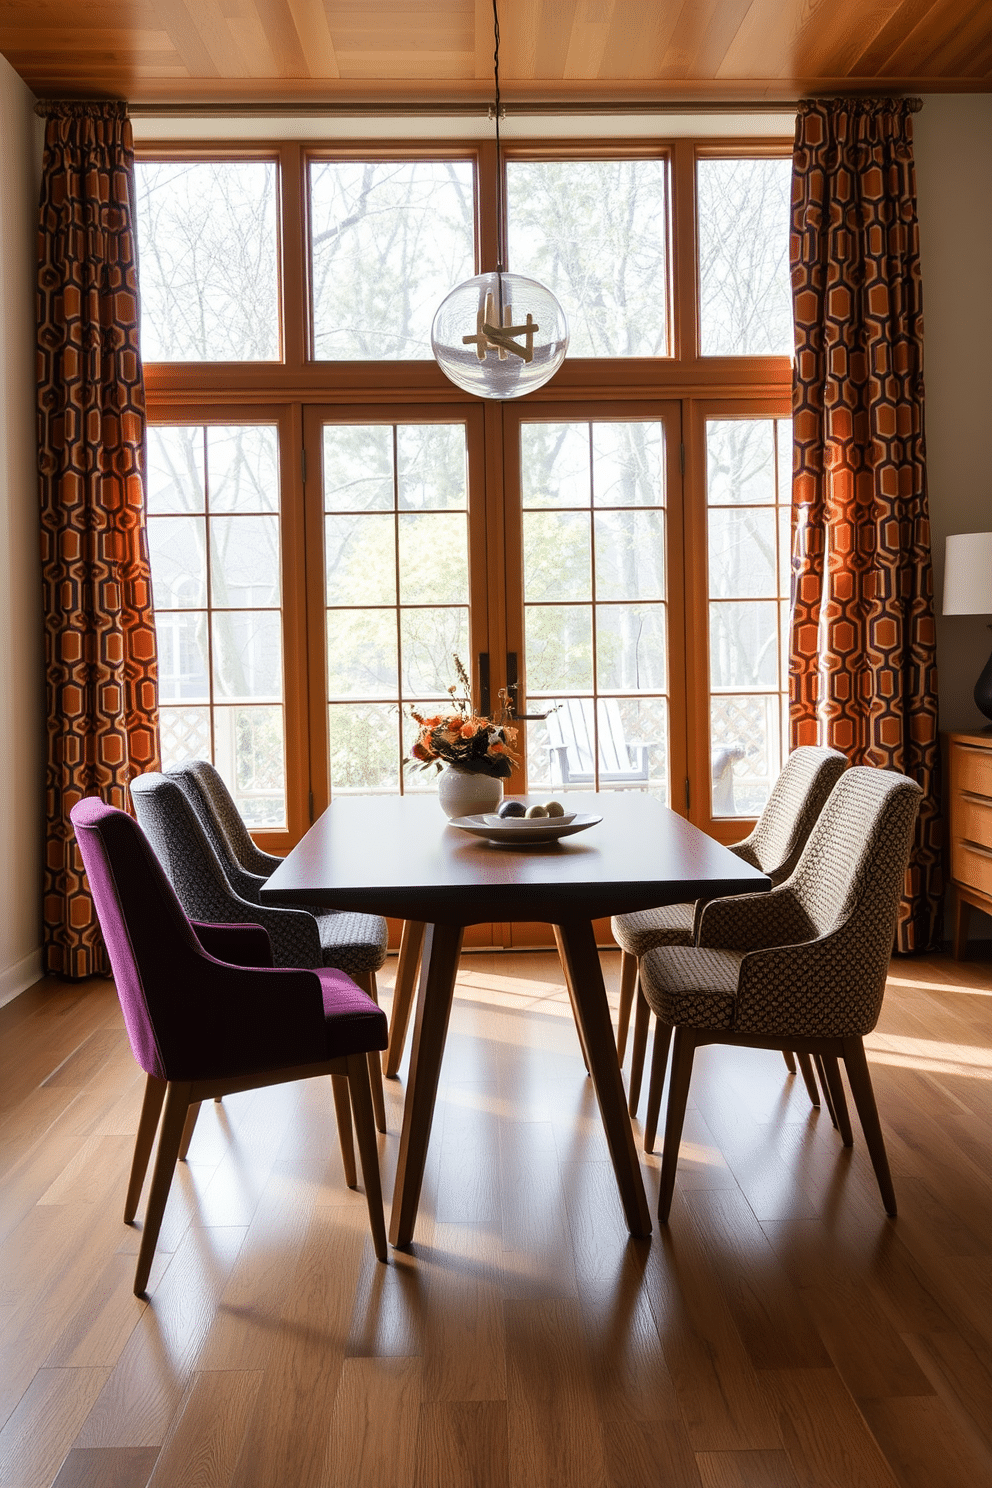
point(953, 148)
point(21, 708)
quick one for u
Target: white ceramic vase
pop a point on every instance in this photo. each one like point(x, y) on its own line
point(461, 793)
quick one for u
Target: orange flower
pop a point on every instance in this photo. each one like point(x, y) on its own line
point(469, 730)
point(455, 722)
point(497, 748)
point(422, 750)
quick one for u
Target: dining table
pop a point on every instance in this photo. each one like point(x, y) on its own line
point(398, 856)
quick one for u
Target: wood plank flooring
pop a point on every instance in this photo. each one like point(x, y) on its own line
point(781, 1333)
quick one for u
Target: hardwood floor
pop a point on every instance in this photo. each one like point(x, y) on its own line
point(782, 1333)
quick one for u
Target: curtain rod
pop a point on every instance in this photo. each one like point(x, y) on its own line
point(468, 109)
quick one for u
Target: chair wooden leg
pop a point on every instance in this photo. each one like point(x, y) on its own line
point(151, 1108)
point(659, 1063)
point(790, 1060)
point(571, 997)
point(683, 1050)
point(188, 1130)
point(859, 1079)
point(828, 1094)
point(831, 1073)
point(173, 1120)
point(342, 1111)
point(642, 1017)
point(407, 966)
point(361, 1104)
point(809, 1079)
point(628, 986)
point(366, 980)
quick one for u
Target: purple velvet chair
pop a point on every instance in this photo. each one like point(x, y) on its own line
point(207, 1015)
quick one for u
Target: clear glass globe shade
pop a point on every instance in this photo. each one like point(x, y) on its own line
point(499, 335)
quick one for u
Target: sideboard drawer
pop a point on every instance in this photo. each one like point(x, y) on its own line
point(971, 770)
point(973, 820)
point(972, 866)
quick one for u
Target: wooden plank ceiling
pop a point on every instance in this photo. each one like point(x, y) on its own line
point(440, 51)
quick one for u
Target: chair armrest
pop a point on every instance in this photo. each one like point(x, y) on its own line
point(561, 750)
point(237, 945)
point(831, 987)
point(238, 1020)
point(753, 922)
point(639, 758)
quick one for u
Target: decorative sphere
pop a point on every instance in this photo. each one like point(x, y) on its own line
point(512, 808)
point(537, 811)
point(555, 808)
point(530, 329)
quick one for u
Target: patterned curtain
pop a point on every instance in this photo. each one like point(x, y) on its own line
point(100, 658)
point(863, 667)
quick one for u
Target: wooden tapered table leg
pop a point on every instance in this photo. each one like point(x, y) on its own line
point(411, 945)
point(571, 996)
point(581, 959)
point(439, 967)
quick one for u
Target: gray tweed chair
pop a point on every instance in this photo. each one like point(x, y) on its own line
point(231, 839)
point(184, 841)
point(802, 967)
point(774, 846)
point(247, 867)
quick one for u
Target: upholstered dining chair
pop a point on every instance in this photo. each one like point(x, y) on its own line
point(779, 836)
point(207, 1015)
point(802, 967)
point(247, 867)
point(353, 943)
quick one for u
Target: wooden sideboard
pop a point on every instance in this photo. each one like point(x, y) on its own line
point(969, 818)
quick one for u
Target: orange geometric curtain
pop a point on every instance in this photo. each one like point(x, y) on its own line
point(100, 660)
point(863, 667)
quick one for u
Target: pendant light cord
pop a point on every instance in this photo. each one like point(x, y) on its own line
point(500, 245)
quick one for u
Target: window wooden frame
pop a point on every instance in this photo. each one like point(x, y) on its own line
point(291, 539)
point(394, 391)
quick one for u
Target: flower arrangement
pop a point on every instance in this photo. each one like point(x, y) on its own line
point(459, 737)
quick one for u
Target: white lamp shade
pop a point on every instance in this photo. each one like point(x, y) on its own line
point(968, 574)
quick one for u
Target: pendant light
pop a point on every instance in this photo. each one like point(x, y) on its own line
point(499, 335)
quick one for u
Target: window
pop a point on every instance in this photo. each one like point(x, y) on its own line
point(208, 256)
point(331, 520)
point(745, 302)
point(396, 566)
point(595, 590)
point(214, 542)
point(748, 511)
point(596, 233)
point(388, 239)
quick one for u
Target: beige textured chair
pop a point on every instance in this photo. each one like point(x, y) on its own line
point(802, 967)
point(774, 846)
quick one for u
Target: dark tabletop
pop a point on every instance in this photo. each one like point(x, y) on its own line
point(396, 855)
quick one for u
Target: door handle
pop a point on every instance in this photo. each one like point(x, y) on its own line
point(512, 683)
point(485, 696)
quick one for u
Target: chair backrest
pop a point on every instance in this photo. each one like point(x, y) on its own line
point(197, 875)
point(187, 1015)
point(798, 796)
point(237, 839)
point(203, 801)
point(852, 868)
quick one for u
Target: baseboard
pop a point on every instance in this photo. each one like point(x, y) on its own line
point(17, 978)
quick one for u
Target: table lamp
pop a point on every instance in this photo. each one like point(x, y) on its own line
point(968, 591)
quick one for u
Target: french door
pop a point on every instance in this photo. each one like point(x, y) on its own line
point(594, 595)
